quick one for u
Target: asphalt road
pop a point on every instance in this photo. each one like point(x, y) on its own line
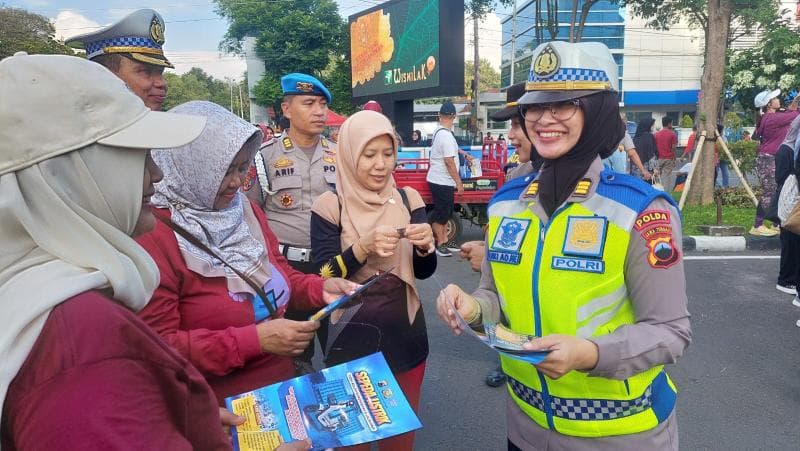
point(739, 381)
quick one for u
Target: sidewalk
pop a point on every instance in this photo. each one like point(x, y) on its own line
point(730, 243)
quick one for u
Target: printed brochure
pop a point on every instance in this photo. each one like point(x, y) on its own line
point(348, 404)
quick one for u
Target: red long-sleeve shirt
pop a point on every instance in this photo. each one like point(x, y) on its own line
point(217, 333)
point(99, 378)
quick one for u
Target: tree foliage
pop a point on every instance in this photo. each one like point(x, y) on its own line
point(774, 62)
point(23, 31)
point(488, 77)
point(198, 85)
point(291, 36)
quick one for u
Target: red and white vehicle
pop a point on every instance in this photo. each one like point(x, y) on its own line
point(472, 203)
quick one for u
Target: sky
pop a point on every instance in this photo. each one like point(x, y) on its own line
point(194, 30)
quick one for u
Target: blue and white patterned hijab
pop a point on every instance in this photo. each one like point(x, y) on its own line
point(192, 176)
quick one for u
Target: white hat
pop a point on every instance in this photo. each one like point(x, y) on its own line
point(763, 98)
point(54, 104)
point(563, 70)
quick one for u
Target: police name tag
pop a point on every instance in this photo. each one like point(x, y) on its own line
point(508, 240)
point(579, 264)
point(586, 236)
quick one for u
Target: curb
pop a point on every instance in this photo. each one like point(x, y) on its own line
point(730, 243)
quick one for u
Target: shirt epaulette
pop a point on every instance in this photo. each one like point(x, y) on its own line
point(287, 143)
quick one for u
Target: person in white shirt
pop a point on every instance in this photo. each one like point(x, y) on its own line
point(443, 178)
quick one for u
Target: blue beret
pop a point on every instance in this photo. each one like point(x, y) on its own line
point(304, 84)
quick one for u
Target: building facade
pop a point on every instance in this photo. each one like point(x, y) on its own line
point(659, 71)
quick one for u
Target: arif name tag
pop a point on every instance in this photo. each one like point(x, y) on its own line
point(579, 264)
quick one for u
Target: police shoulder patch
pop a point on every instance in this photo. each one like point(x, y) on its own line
point(656, 229)
point(287, 143)
point(532, 190)
point(249, 179)
point(582, 188)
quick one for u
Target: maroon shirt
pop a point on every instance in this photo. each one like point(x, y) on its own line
point(99, 378)
point(772, 130)
point(217, 333)
point(666, 140)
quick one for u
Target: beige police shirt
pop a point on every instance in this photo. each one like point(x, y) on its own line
point(285, 183)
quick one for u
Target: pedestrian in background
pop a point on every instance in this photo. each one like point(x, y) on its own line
point(588, 264)
point(666, 143)
point(367, 227)
point(645, 144)
point(771, 130)
point(416, 139)
point(785, 165)
point(443, 178)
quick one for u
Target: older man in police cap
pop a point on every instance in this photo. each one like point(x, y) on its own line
point(290, 173)
point(132, 50)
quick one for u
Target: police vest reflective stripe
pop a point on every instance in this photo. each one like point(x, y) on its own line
point(567, 277)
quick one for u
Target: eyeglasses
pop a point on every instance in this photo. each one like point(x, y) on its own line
point(561, 111)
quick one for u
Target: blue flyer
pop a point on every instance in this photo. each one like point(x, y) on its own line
point(348, 404)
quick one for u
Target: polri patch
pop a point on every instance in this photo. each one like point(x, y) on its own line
point(586, 236)
point(287, 200)
point(508, 240)
point(578, 264)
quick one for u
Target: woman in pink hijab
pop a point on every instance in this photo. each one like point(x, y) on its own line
point(369, 226)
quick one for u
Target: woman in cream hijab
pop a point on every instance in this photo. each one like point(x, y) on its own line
point(367, 227)
point(77, 366)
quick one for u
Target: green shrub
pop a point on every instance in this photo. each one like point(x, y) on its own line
point(686, 121)
point(745, 154)
point(737, 197)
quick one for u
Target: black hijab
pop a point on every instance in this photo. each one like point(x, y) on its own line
point(644, 141)
point(602, 132)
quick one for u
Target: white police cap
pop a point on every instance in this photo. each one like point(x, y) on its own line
point(563, 70)
point(140, 34)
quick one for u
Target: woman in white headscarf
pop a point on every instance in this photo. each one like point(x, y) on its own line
point(224, 284)
point(78, 369)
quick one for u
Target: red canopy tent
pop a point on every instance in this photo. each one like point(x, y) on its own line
point(334, 120)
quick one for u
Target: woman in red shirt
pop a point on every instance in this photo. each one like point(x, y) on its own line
point(229, 329)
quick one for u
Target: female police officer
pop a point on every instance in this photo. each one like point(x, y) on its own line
point(588, 261)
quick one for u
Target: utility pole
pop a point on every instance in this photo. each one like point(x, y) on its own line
point(476, 64)
point(513, 42)
point(241, 102)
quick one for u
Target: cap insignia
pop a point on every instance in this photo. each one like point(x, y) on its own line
point(304, 86)
point(157, 30)
point(547, 62)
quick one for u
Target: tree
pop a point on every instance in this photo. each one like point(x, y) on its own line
point(489, 77)
point(23, 31)
point(773, 62)
point(198, 85)
point(715, 17)
point(291, 36)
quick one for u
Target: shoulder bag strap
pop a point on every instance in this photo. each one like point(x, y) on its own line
point(190, 238)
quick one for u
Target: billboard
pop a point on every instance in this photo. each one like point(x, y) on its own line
point(408, 48)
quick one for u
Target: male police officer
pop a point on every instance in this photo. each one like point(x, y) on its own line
point(296, 169)
point(291, 172)
point(132, 50)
